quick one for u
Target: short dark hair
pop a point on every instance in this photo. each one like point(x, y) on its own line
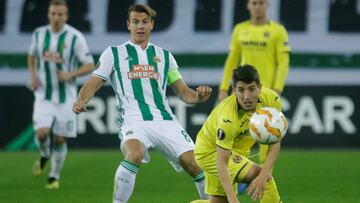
point(245, 73)
point(58, 3)
point(142, 8)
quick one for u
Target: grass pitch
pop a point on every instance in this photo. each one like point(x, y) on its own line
point(302, 177)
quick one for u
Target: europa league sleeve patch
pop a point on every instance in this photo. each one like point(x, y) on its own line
point(220, 134)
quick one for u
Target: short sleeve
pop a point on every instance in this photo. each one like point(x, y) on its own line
point(105, 65)
point(82, 51)
point(34, 40)
point(172, 62)
point(225, 133)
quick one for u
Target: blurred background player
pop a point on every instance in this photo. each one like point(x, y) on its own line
point(139, 72)
point(262, 43)
point(52, 62)
point(224, 143)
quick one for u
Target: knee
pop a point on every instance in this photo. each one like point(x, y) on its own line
point(42, 133)
point(134, 151)
point(187, 161)
point(59, 140)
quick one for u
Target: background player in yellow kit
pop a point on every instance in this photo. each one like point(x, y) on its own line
point(224, 142)
point(265, 45)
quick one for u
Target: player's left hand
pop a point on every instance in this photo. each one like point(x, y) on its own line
point(257, 186)
point(63, 76)
point(203, 93)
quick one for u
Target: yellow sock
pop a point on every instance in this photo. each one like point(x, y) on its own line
point(271, 194)
point(262, 153)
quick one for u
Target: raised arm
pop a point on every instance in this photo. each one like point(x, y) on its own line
point(188, 95)
point(86, 93)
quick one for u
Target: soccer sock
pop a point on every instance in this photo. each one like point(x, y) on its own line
point(271, 194)
point(43, 146)
point(57, 160)
point(200, 185)
point(124, 181)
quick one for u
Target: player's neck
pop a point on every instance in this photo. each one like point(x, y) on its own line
point(55, 29)
point(142, 44)
point(259, 21)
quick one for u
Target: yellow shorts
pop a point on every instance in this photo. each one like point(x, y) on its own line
point(238, 167)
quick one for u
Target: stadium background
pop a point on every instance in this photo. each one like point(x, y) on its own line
point(321, 98)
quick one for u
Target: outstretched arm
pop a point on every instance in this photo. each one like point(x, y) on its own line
point(86, 93)
point(257, 186)
point(188, 95)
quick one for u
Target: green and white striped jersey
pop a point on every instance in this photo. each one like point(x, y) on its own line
point(139, 79)
point(58, 51)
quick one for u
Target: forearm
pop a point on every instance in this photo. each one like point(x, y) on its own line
point(83, 70)
point(31, 65)
point(89, 89)
point(282, 71)
point(225, 180)
point(272, 154)
point(222, 160)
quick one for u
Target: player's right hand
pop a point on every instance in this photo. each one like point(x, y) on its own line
point(79, 107)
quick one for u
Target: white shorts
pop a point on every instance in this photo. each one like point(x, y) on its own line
point(167, 137)
point(59, 117)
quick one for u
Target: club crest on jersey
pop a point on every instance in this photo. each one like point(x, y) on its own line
point(143, 71)
point(266, 34)
point(156, 59)
point(237, 159)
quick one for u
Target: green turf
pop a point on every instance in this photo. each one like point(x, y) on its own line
point(301, 176)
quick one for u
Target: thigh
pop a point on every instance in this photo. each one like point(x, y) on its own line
point(172, 141)
point(240, 167)
point(213, 185)
point(136, 130)
point(43, 114)
point(65, 121)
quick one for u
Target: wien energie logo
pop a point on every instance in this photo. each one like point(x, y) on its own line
point(143, 71)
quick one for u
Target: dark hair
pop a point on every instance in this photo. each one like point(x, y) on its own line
point(245, 73)
point(58, 3)
point(141, 8)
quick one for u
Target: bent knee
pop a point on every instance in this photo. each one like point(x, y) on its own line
point(42, 133)
point(134, 151)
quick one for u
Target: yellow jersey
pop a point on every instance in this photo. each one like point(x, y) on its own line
point(230, 118)
point(262, 47)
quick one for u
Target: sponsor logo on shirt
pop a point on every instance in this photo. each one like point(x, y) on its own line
point(254, 43)
point(143, 71)
point(52, 57)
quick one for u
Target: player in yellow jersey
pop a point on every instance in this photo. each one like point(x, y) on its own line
point(224, 142)
point(265, 45)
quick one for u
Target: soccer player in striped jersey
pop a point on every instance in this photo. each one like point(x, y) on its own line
point(224, 142)
point(262, 43)
point(139, 73)
point(53, 61)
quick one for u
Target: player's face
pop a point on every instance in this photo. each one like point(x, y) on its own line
point(257, 8)
point(58, 16)
point(247, 95)
point(140, 26)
